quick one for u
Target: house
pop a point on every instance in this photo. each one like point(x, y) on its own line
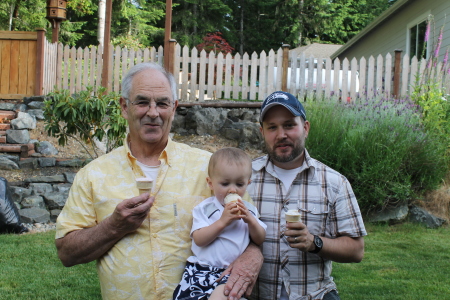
point(317, 50)
point(402, 27)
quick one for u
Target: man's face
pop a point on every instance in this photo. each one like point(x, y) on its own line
point(284, 137)
point(149, 124)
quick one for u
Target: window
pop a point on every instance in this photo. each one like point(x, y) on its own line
point(417, 44)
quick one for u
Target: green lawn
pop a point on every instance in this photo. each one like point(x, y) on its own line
point(401, 262)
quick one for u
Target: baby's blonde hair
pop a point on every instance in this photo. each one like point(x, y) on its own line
point(230, 155)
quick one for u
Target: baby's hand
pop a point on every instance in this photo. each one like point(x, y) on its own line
point(230, 213)
point(245, 214)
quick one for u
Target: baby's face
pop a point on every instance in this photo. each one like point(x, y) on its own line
point(229, 178)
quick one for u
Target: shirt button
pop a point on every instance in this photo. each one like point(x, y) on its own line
point(154, 235)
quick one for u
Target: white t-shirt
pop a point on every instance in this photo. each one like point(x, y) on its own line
point(230, 243)
point(149, 171)
point(286, 176)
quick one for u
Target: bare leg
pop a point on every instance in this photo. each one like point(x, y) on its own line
point(218, 293)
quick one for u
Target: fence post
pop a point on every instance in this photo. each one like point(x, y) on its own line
point(171, 56)
point(397, 72)
point(284, 67)
point(39, 84)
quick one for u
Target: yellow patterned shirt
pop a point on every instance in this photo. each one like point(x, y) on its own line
point(147, 264)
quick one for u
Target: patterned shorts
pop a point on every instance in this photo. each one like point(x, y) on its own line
point(198, 282)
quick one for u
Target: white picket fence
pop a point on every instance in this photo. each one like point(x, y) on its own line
point(202, 76)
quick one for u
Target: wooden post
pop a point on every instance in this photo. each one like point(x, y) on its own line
point(39, 86)
point(284, 67)
point(171, 54)
point(167, 35)
point(107, 48)
point(56, 24)
point(397, 72)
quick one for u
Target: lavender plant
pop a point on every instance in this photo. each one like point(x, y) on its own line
point(380, 146)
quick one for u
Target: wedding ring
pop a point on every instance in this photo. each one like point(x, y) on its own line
point(295, 239)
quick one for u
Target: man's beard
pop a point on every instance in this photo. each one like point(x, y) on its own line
point(297, 150)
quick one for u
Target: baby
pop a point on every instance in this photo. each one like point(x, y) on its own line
point(220, 232)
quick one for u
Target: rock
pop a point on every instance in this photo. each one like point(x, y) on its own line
point(62, 188)
point(71, 163)
point(70, 176)
point(46, 162)
point(20, 107)
point(7, 164)
point(206, 120)
point(41, 188)
point(33, 201)
point(55, 200)
point(246, 133)
point(34, 215)
point(15, 158)
point(395, 215)
point(178, 124)
point(54, 213)
point(37, 113)
point(17, 136)
point(421, 216)
point(6, 106)
point(18, 193)
point(23, 121)
point(36, 105)
point(46, 148)
point(28, 100)
point(29, 163)
point(47, 179)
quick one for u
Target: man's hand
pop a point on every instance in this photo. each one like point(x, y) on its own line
point(243, 273)
point(299, 237)
point(130, 213)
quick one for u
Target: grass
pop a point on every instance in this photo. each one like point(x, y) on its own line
point(404, 261)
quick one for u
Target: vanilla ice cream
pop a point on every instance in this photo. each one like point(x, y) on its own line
point(232, 198)
point(293, 215)
point(144, 185)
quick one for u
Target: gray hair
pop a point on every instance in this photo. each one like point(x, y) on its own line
point(128, 79)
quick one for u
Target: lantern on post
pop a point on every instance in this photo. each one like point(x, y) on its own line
point(56, 13)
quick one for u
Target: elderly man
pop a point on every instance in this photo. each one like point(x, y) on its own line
point(298, 255)
point(141, 242)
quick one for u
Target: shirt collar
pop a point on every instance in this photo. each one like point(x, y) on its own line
point(165, 157)
point(309, 165)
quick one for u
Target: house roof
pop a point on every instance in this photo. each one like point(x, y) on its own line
point(375, 23)
point(316, 50)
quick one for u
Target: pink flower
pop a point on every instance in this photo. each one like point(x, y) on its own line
point(438, 47)
point(427, 32)
point(446, 57)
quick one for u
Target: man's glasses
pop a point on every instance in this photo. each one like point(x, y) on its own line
point(160, 104)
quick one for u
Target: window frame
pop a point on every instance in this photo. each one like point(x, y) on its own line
point(423, 17)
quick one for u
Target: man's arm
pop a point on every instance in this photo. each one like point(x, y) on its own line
point(86, 245)
point(243, 273)
point(343, 249)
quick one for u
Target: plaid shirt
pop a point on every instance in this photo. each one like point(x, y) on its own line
point(328, 207)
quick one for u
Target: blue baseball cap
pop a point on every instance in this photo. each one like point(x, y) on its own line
point(285, 99)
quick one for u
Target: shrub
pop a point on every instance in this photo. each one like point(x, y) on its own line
point(84, 117)
point(379, 146)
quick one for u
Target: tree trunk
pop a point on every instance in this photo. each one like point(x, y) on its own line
point(301, 20)
point(241, 30)
point(101, 21)
point(11, 16)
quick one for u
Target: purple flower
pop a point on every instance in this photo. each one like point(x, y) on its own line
point(427, 32)
point(438, 47)
point(446, 57)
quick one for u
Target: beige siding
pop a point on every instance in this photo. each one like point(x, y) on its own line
point(392, 33)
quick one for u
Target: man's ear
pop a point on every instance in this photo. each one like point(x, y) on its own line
point(124, 107)
point(175, 105)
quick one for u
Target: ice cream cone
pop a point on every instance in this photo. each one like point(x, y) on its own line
point(144, 185)
point(232, 198)
point(293, 215)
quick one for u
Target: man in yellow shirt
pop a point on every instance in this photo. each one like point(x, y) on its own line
point(141, 242)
